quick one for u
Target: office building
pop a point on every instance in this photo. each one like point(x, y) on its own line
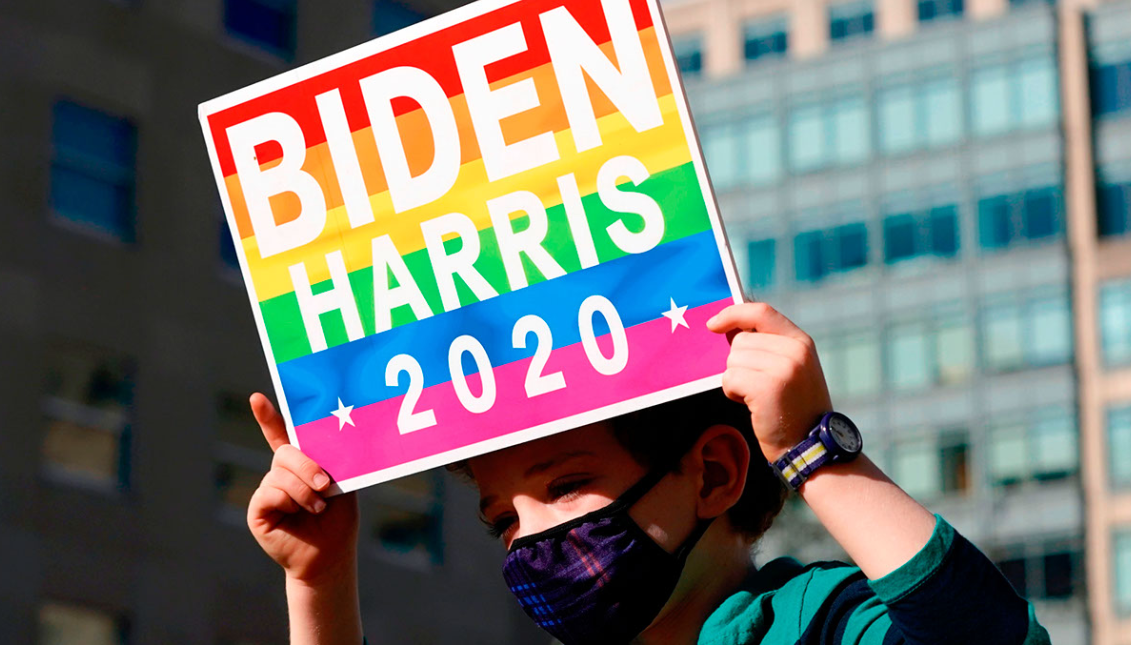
point(128, 348)
point(939, 192)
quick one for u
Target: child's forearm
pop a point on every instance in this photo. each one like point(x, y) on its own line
point(878, 525)
point(325, 614)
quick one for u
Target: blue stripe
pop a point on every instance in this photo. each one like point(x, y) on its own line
point(639, 286)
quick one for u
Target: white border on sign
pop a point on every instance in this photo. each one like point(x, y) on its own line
point(443, 21)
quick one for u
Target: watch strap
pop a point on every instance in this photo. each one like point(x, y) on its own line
point(799, 463)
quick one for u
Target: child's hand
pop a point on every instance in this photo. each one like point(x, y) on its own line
point(773, 369)
point(312, 538)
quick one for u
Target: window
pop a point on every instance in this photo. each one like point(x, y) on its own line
point(851, 20)
point(1032, 333)
point(1002, 329)
point(1006, 97)
point(930, 468)
point(1111, 88)
point(390, 16)
point(407, 514)
point(935, 352)
point(1113, 207)
point(720, 148)
point(909, 357)
point(807, 138)
point(851, 363)
point(1047, 572)
point(915, 467)
point(688, 52)
point(831, 133)
point(1014, 572)
point(765, 39)
point(836, 250)
point(762, 144)
point(914, 116)
point(762, 258)
point(942, 107)
point(954, 350)
point(93, 168)
point(1119, 446)
point(65, 624)
point(1121, 554)
point(269, 24)
point(87, 408)
point(850, 134)
point(1036, 92)
point(991, 108)
point(1049, 332)
point(1030, 215)
point(933, 9)
point(1115, 322)
point(926, 233)
point(1040, 445)
point(898, 125)
point(242, 455)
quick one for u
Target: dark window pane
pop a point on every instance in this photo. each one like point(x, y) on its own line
point(1058, 575)
point(852, 246)
point(846, 21)
point(763, 258)
point(899, 238)
point(995, 222)
point(1114, 209)
point(102, 205)
point(808, 258)
point(688, 54)
point(390, 16)
point(765, 39)
point(92, 170)
point(1014, 572)
point(1040, 213)
point(931, 9)
point(954, 460)
point(943, 230)
point(270, 23)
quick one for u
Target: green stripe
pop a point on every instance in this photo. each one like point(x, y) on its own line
point(676, 190)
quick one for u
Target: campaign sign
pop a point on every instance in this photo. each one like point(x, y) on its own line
point(483, 229)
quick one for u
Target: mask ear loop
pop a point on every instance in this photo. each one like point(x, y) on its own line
point(684, 549)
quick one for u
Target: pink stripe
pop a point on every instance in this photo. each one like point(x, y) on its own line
point(658, 359)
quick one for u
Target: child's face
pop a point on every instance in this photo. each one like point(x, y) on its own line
point(538, 485)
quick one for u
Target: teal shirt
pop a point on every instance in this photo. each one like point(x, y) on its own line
point(949, 592)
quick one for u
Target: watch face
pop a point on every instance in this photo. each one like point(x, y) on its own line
point(846, 436)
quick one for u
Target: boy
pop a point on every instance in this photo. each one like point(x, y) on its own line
point(639, 529)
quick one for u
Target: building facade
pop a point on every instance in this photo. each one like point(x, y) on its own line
point(127, 347)
point(938, 191)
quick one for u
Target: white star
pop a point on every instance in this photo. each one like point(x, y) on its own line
point(343, 414)
point(675, 314)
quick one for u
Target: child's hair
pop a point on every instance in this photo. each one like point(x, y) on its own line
point(659, 436)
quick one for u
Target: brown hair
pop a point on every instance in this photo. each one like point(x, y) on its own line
point(659, 436)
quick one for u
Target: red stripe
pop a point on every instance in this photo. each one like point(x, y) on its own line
point(431, 53)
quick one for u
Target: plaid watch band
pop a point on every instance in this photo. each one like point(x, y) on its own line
point(800, 462)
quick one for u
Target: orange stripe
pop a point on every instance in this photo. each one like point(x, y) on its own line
point(550, 116)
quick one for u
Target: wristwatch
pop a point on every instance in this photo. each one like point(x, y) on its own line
point(836, 439)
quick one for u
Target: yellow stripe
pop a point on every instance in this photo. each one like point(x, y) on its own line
point(810, 455)
point(660, 148)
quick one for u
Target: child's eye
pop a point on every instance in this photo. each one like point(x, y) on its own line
point(564, 490)
point(500, 527)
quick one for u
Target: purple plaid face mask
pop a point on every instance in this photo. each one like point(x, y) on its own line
point(597, 579)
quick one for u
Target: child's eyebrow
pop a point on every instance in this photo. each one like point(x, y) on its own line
point(555, 461)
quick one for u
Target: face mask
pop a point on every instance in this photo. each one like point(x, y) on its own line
point(597, 579)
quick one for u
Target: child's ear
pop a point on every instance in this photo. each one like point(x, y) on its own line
point(722, 460)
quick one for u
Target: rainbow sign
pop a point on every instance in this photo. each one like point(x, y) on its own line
point(480, 230)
